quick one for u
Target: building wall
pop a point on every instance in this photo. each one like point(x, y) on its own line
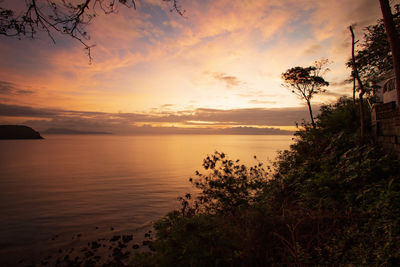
point(386, 91)
point(390, 96)
point(386, 126)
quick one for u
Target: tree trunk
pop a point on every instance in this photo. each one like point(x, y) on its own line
point(394, 41)
point(311, 115)
point(362, 116)
point(354, 90)
point(352, 73)
point(362, 90)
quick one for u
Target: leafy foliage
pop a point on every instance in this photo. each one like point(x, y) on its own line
point(306, 82)
point(328, 200)
point(228, 186)
point(374, 58)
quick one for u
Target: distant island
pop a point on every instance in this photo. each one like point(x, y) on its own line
point(70, 131)
point(18, 132)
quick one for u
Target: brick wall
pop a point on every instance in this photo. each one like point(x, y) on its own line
point(386, 126)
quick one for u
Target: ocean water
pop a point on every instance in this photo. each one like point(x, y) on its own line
point(68, 189)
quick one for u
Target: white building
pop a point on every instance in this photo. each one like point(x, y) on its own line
point(387, 90)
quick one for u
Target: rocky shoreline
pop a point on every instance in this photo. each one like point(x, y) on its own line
point(115, 251)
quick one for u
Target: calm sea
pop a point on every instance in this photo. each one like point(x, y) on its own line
point(68, 189)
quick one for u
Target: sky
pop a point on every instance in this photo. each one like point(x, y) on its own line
point(216, 68)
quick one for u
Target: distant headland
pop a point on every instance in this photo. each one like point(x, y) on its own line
point(18, 132)
point(70, 131)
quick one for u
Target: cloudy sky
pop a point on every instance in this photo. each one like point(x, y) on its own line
point(218, 66)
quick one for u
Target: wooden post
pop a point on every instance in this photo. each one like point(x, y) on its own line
point(362, 89)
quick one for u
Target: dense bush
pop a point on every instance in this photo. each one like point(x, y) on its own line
point(331, 199)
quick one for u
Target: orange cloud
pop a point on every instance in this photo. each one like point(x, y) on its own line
point(149, 57)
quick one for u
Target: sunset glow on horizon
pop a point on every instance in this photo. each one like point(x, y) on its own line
point(218, 66)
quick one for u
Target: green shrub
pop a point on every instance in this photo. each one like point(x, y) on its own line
point(328, 200)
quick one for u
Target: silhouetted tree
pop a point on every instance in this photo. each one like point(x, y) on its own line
point(307, 82)
point(65, 17)
point(356, 76)
point(374, 56)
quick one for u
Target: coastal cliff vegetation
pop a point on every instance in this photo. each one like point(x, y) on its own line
point(332, 199)
point(328, 200)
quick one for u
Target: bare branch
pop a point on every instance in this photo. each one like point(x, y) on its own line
point(62, 16)
point(176, 7)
